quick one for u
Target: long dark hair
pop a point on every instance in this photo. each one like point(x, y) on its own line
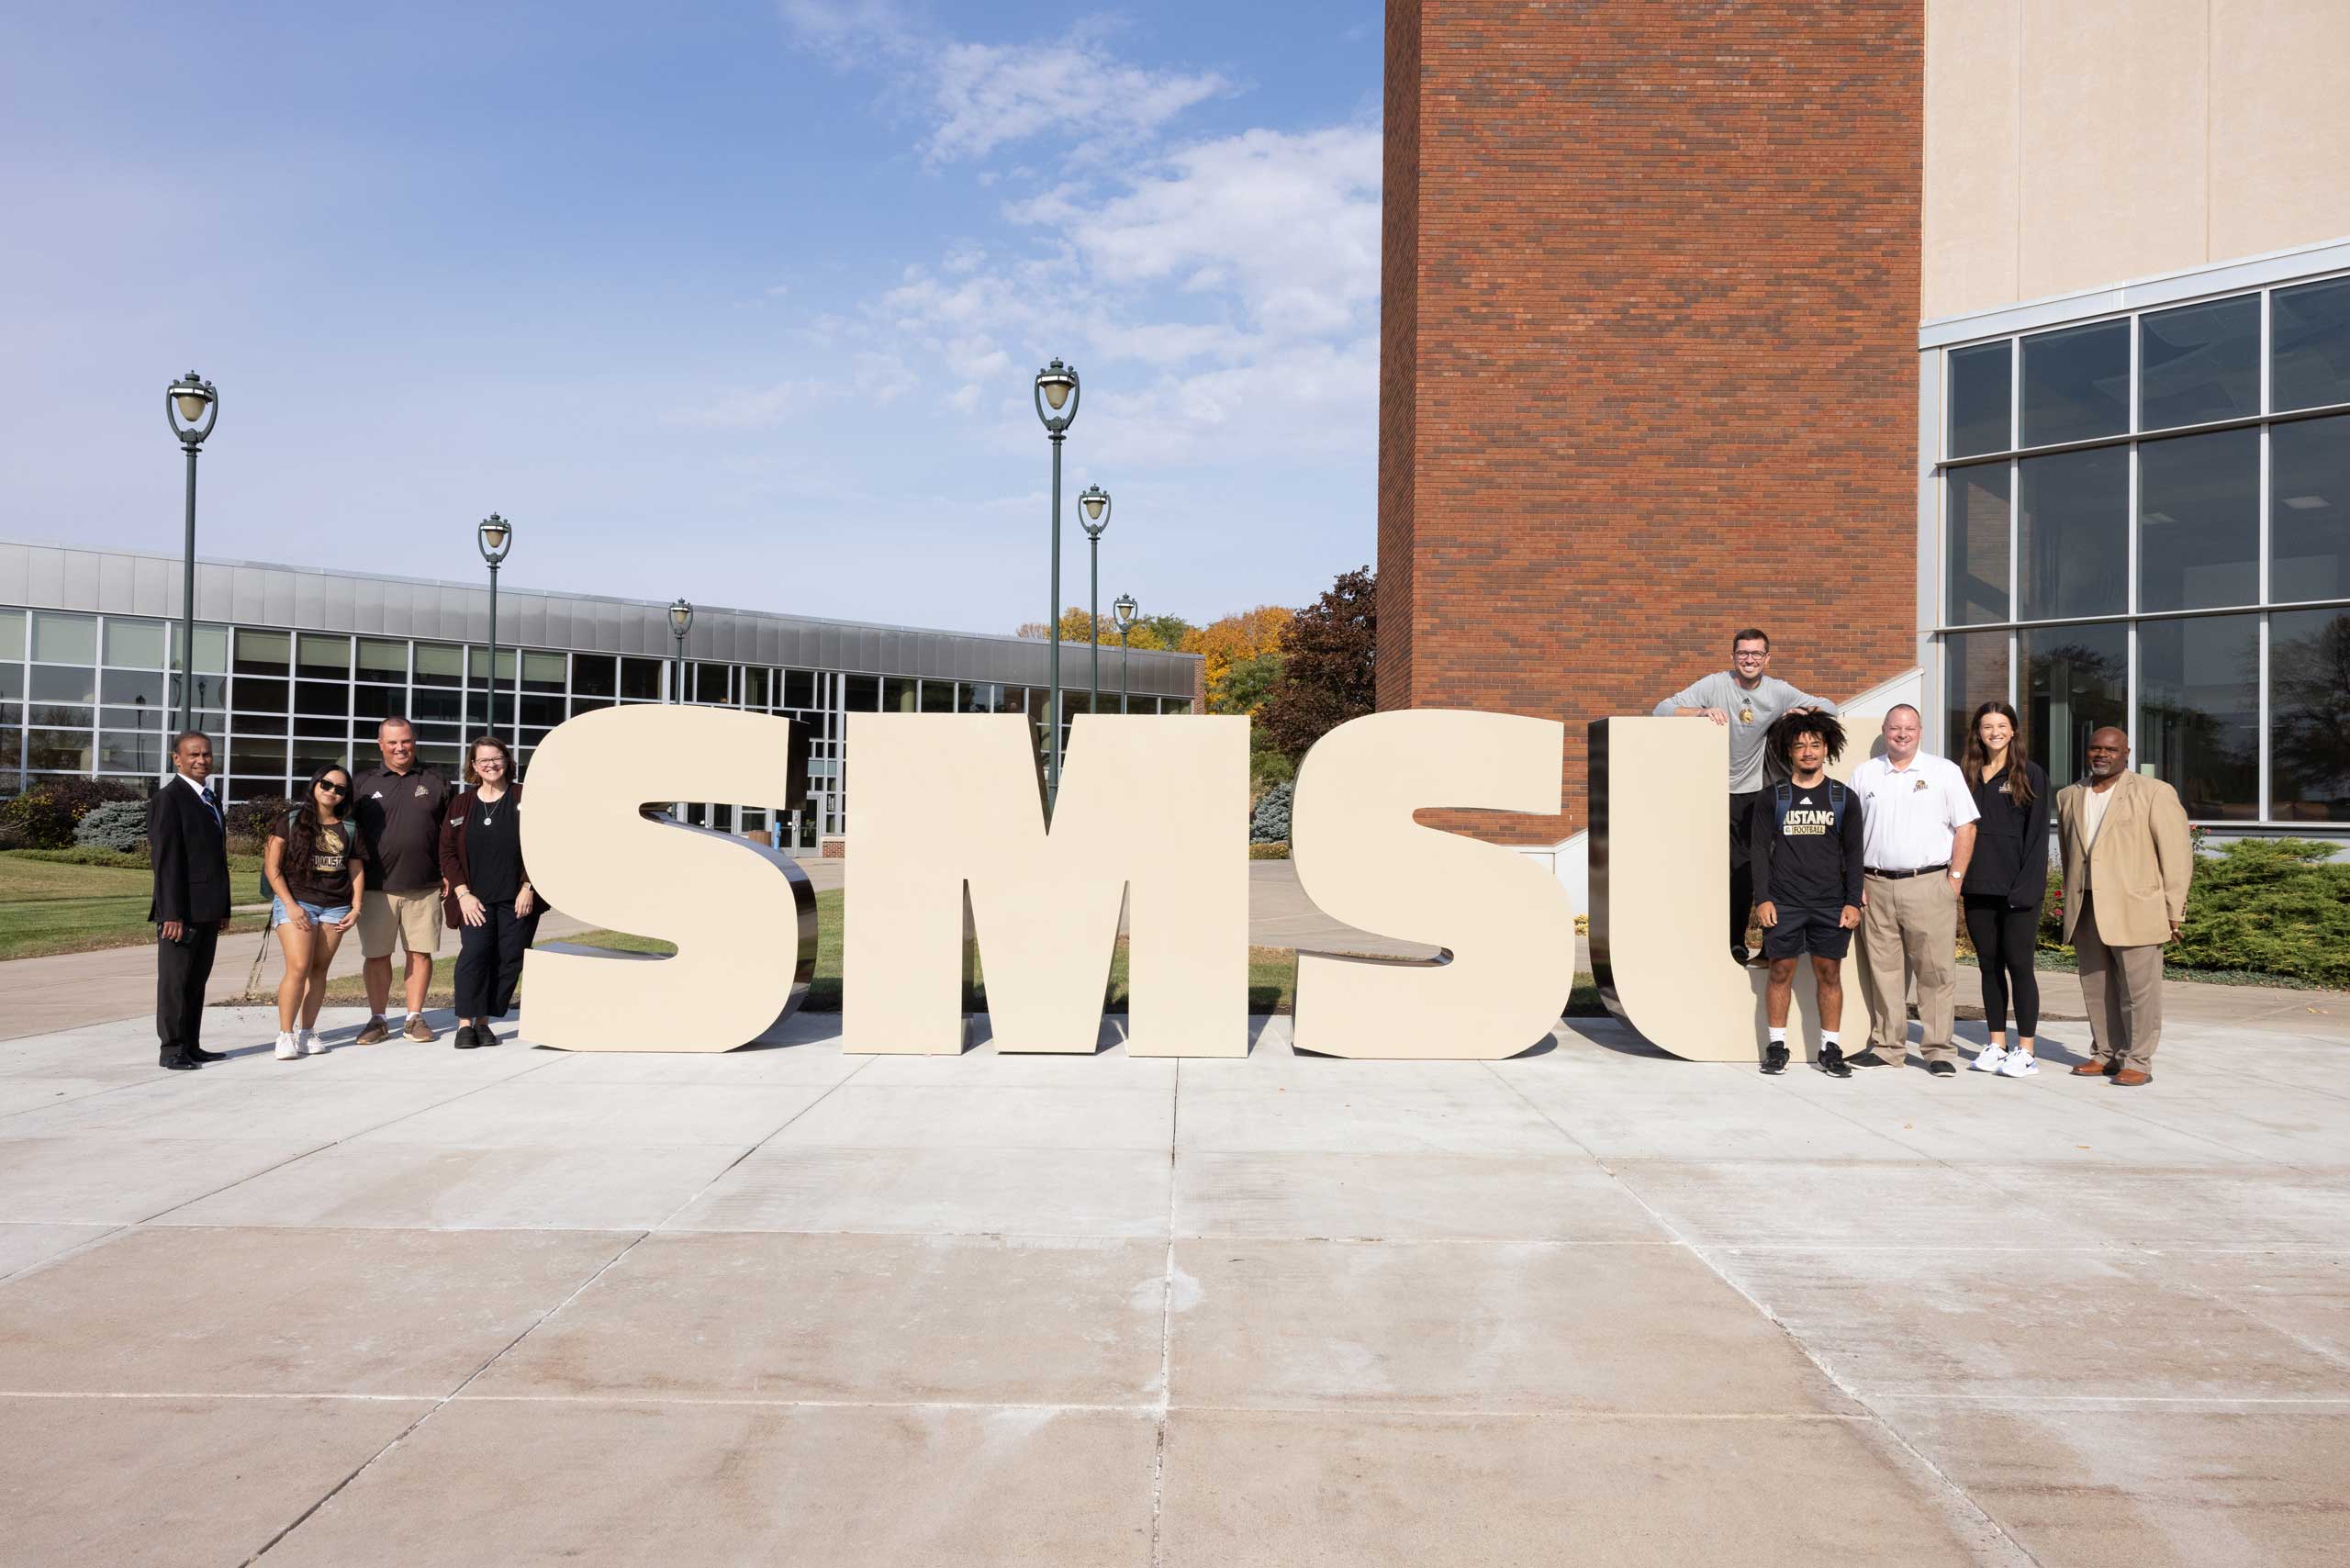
point(1978, 756)
point(302, 838)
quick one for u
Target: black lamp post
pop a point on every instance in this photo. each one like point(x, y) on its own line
point(1056, 396)
point(187, 401)
point(495, 535)
point(681, 619)
point(1095, 505)
point(1125, 608)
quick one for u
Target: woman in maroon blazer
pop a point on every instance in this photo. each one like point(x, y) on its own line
point(490, 901)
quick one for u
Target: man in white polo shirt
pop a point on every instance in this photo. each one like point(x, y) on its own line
point(1917, 832)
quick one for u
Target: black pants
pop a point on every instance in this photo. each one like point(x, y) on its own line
point(1741, 872)
point(489, 960)
point(2005, 940)
point(182, 968)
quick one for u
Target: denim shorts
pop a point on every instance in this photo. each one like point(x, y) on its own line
point(322, 914)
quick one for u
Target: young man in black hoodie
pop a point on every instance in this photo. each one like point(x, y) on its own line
point(1806, 843)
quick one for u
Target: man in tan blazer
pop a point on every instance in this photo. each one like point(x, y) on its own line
point(2128, 858)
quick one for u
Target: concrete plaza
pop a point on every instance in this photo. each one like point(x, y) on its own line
point(410, 1305)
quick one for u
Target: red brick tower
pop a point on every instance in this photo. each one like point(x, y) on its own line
point(1648, 352)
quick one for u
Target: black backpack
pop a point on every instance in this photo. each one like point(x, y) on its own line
point(1783, 798)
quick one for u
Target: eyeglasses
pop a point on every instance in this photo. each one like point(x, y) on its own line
point(335, 789)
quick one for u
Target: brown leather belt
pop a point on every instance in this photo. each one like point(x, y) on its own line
point(1921, 871)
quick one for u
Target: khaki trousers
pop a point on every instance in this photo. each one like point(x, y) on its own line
point(1909, 927)
point(2123, 988)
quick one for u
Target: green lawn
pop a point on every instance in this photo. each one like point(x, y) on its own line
point(74, 902)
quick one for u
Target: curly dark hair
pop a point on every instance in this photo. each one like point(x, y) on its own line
point(1790, 725)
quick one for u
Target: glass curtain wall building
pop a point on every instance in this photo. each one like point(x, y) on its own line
point(312, 660)
point(2146, 521)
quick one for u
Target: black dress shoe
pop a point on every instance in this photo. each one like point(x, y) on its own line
point(200, 1054)
point(1867, 1058)
point(467, 1037)
point(1942, 1068)
point(178, 1061)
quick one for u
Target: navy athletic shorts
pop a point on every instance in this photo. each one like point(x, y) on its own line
point(1802, 931)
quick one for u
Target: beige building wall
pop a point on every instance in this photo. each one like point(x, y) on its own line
point(2075, 144)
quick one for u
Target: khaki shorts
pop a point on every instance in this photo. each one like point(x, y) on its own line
point(410, 920)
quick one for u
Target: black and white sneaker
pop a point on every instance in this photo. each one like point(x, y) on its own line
point(1774, 1058)
point(1868, 1059)
point(1833, 1062)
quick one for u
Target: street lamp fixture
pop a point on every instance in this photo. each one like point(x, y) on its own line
point(1056, 396)
point(494, 536)
point(186, 401)
point(681, 621)
point(1124, 609)
point(1095, 504)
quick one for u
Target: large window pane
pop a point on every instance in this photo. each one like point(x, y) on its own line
point(439, 663)
point(381, 658)
point(12, 635)
point(136, 687)
point(135, 645)
point(2309, 510)
point(938, 697)
point(641, 680)
point(12, 683)
point(1981, 395)
point(250, 694)
point(323, 657)
point(61, 684)
point(2074, 533)
point(2198, 521)
point(758, 687)
point(542, 672)
point(2199, 363)
point(798, 688)
point(65, 639)
point(595, 675)
point(2309, 345)
point(2077, 384)
point(2199, 712)
point(2308, 716)
point(326, 697)
point(711, 683)
point(58, 751)
point(897, 695)
point(863, 694)
point(1975, 671)
point(1978, 545)
point(136, 751)
point(263, 653)
point(2076, 679)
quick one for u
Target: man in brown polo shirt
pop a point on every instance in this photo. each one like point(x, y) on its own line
point(400, 808)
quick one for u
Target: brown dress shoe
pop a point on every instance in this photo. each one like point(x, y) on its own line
point(2130, 1077)
point(2093, 1069)
point(419, 1031)
point(376, 1029)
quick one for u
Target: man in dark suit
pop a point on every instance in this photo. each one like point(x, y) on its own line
point(188, 843)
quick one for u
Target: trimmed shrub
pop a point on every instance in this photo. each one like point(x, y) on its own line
point(2277, 906)
point(1269, 852)
point(119, 825)
point(45, 816)
point(252, 819)
point(1270, 823)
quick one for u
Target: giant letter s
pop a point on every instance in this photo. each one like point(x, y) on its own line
point(1506, 922)
point(743, 916)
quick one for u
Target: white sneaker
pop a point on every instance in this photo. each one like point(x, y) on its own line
point(1991, 1058)
point(2018, 1065)
point(311, 1042)
point(286, 1049)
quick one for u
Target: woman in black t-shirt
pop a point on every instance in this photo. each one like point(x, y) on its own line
point(2005, 882)
point(490, 900)
point(316, 875)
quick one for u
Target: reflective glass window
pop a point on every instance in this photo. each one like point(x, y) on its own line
point(2199, 712)
point(59, 715)
point(51, 683)
point(12, 683)
point(311, 752)
point(589, 704)
point(2309, 715)
point(938, 697)
point(541, 712)
point(12, 750)
point(65, 639)
point(135, 686)
point(2072, 533)
point(253, 695)
point(595, 675)
point(1975, 671)
point(897, 694)
point(2075, 680)
point(259, 755)
point(135, 645)
point(132, 751)
point(59, 751)
point(2309, 345)
point(263, 653)
point(2199, 363)
point(711, 683)
point(382, 658)
point(439, 663)
point(2309, 510)
point(798, 688)
point(641, 680)
point(211, 691)
point(1978, 543)
point(211, 648)
point(372, 703)
point(323, 657)
point(321, 696)
point(12, 635)
point(2077, 384)
point(478, 666)
point(863, 694)
point(1981, 398)
point(542, 672)
point(154, 717)
point(1175, 705)
point(979, 697)
point(2198, 520)
point(327, 728)
point(436, 703)
point(758, 687)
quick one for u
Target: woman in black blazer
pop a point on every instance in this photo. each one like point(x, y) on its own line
point(2005, 882)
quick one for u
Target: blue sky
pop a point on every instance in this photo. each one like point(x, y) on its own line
point(736, 301)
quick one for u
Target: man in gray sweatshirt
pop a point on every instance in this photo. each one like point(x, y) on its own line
point(1746, 700)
